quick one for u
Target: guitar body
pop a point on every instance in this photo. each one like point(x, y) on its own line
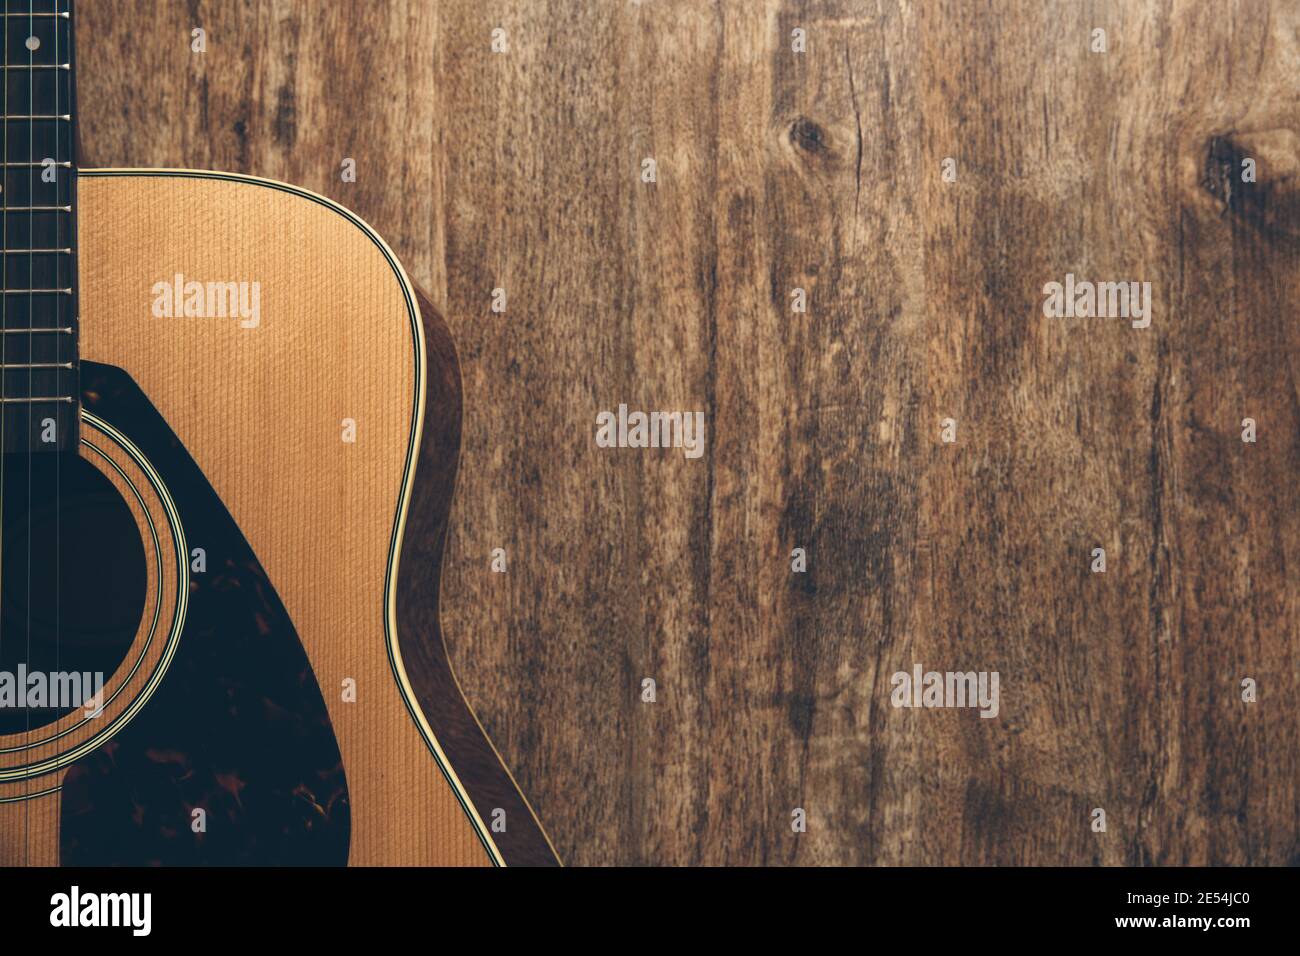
point(282, 694)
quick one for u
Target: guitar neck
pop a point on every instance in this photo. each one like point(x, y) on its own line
point(38, 308)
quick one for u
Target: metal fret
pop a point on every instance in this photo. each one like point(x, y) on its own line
point(36, 359)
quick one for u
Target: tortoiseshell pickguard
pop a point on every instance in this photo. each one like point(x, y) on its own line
point(238, 726)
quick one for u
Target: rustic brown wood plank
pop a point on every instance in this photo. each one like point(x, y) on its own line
point(286, 90)
point(821, 170)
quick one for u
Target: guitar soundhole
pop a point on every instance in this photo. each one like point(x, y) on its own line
point(72, 586)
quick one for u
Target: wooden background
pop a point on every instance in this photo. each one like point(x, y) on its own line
point(822, 171)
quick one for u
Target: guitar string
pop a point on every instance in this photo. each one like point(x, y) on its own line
point(58, 352)
point(4, 315)
point(31, 347)
point(32, 417)
point(31, 343)
point(58, 346)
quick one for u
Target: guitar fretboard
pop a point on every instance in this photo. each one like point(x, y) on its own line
point(38, 308)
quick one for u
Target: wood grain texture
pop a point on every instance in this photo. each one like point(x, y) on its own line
point(335, 342)
point(822, 171)
point(516, 832)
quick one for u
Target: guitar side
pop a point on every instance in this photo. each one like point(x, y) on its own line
point(312, 424)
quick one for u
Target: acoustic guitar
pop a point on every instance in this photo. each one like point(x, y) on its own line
point(230, 429)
